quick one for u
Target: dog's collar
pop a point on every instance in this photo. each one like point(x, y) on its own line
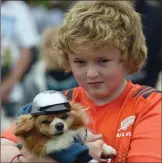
point(78, 138)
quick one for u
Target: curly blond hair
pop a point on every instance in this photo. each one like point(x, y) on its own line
point(103, 25)
point(48, 54)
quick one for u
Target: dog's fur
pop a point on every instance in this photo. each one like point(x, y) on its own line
point(40, 136)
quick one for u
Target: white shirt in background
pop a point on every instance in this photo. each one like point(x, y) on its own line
point(18, 29)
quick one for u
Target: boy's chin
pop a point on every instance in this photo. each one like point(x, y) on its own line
point(97, 94)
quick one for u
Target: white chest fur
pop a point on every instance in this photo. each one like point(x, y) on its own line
point(63, 141)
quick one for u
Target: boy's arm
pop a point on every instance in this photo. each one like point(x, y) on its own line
point(9, 151)
point(5, 141)
point(8, 144)
point(146, 140)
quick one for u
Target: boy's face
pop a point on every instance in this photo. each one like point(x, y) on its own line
point(100, 73)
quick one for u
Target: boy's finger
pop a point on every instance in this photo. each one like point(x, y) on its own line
point(95, 149)
point(93, 137)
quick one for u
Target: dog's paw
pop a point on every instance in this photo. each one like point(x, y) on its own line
point(108, 150)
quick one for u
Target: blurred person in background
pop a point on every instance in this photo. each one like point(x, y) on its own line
point(47, 13)
point(55, 14)
point(38, 10)
point(46, 73)
point(18, 37)
point(151, 12)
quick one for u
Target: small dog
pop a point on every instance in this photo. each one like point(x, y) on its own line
point(43, 134)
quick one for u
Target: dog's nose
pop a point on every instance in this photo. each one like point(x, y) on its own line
point(59, 126)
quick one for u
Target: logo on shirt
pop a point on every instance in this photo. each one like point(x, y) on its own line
point(124, 126)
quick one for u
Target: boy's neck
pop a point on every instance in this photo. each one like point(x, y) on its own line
point(108, 99)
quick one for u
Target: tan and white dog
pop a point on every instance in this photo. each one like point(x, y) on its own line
point(43, 134)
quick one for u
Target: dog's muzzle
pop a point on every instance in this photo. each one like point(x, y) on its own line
point(59, 126)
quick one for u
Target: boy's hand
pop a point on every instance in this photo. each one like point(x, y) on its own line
point(98, 149)
point(29, 157)
point(95, 144)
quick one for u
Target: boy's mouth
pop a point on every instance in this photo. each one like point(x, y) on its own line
point(94, 83)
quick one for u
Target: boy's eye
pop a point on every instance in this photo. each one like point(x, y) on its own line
point(80, 62)
point(64, 116)
point(46, 122)
point(103, 61)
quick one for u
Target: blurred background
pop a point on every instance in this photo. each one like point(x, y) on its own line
point(29, 65)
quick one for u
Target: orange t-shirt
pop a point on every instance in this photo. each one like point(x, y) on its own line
point(131, 123)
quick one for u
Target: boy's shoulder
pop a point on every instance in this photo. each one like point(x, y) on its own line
point(142, 99)
point(145, 94)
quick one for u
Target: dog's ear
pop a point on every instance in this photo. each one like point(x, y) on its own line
point(78, 111)
point(24, 125)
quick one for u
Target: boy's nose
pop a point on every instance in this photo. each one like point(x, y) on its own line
point(92, 72)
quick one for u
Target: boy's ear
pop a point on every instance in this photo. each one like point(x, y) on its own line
point(24, 125)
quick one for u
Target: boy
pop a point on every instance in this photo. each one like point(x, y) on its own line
point(102, 42)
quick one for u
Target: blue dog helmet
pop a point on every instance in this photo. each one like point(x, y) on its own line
point(50, 102)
